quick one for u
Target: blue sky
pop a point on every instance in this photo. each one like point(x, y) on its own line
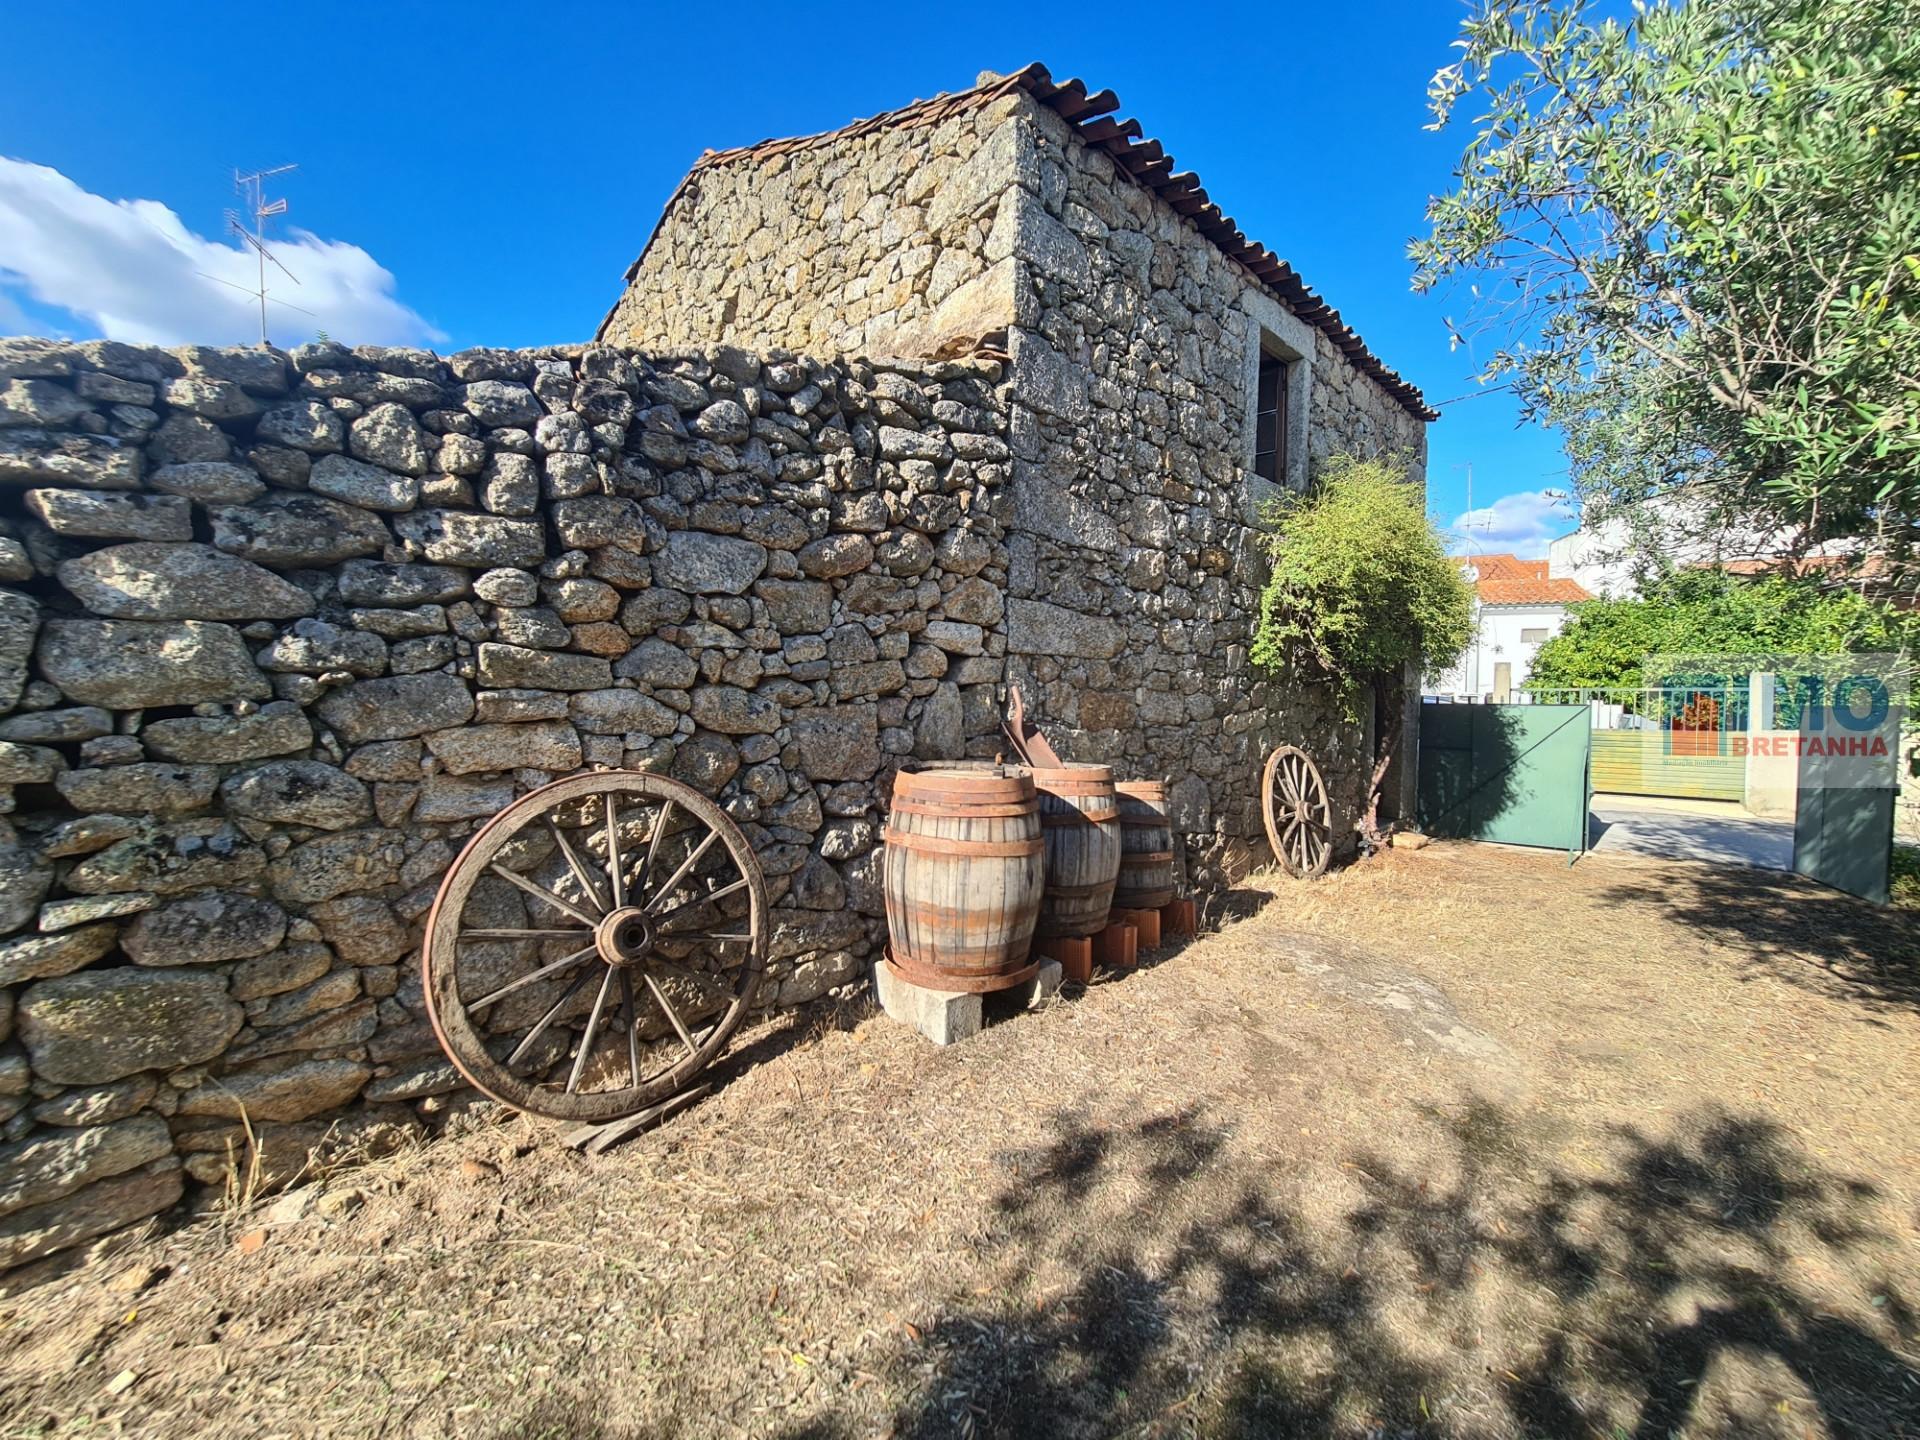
point(502, 164)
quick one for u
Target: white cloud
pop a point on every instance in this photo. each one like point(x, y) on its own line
point(131, 270)
point(1519, 524)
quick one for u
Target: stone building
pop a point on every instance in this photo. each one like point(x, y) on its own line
point(1165, 374)
point(279, 631)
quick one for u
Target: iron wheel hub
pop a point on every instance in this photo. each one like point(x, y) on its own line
point(624, 937)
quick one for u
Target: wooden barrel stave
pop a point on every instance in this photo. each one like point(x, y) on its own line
point(963, 875)
point(1080, 820)
point(1146, 879)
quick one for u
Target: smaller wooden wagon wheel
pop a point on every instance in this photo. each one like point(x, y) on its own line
point(1299, 819)
point(595, 945)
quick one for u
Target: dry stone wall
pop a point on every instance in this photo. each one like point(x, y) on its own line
point(277, 631)
point(867, 243)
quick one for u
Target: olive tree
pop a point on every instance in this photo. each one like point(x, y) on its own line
point(1691, 238)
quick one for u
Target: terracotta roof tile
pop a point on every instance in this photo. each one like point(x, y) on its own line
point(1506, 567)
point(1531, 591)
point(1147, 163)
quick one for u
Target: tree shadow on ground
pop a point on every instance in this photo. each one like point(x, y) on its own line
point(1155, 1283)
point(1792, 929)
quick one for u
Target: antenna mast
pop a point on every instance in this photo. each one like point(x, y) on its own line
point(252, 187)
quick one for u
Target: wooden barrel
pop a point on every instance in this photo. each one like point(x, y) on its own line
point(1080, 820)
point(1146, 845)
point(965, 867)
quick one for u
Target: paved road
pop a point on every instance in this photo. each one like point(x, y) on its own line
point(1717, 832)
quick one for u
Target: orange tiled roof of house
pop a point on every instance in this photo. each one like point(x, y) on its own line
point(1509, 580)
point(1508, 567)
point(1531, 592)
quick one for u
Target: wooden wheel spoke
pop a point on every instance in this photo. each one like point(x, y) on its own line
point(588, 1035)
point(632, 1025)
point(680, 874)
point(579, 869)
point(540, 892)
point(708, 935)
point(661, 921)
point(653, 845)
point(547, 1019)
point(571, 933)
point(673, 1015)
point(525, 980)
point(614, 875)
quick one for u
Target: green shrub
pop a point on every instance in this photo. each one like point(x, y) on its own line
point(1711, 612)
point(1362, 587)
point(1362, 584)
point(1906, 876)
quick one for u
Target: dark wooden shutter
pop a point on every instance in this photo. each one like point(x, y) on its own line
point(1270, 421)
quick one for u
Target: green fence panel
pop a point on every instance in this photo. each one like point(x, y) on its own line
point(1515, 774)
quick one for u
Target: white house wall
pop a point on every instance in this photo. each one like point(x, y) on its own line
point(1498, 640)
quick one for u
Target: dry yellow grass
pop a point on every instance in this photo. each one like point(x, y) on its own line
point(1455, 1143)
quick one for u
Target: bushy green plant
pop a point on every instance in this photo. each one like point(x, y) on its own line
point(1362, 584)
point(1362, 588)
point(1711, 612)
point(1904, 876)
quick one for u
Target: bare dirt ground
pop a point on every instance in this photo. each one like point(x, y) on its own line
point(1461, 1142)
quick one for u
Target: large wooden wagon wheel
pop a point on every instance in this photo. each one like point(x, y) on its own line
point(1299, 819)
point(595, 945)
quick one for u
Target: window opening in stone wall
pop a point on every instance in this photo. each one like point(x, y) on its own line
point(1270, 420)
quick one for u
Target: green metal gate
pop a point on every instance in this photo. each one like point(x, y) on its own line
point(1843, 833)
point(1516, 774)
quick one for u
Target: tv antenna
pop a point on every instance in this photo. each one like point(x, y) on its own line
point(1466, 527)
point(251, 185)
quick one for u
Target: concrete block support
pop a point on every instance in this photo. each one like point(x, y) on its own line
point(945, 1016)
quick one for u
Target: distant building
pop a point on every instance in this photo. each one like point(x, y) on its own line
point(1517, 607)
point(1606, 556)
